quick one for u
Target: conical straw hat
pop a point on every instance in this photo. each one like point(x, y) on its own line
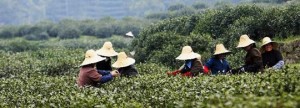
point(123, 61)
point(245, 41)
point(107, 50)
point(91, 57)
point(187, 54)
point(267, 40)
point(129, 34)
point(220, 49)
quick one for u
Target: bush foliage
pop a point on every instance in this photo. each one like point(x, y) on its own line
point(214, 26)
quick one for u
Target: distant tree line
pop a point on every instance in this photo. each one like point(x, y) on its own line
point(66, 29)
point(178, 10)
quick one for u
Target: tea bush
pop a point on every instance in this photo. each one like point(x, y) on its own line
point(47, 78)
point(155, 89)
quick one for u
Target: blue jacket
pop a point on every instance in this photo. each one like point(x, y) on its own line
point(217, 66)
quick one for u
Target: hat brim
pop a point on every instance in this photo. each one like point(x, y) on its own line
point(242, 45)
point(92, 60)
point(127, 62)
point(106, 53)
point(188, 56)
point(225, 52)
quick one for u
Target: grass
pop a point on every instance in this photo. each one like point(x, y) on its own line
point(287, 40)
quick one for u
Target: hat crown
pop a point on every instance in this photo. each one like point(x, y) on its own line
point(245, 41)
point(266, 40)
point(107, 46)
point(123, 60)
point(90, 54)
point(129, 34)
point(122, 56)
point(107, 50)
point(220, 47)
point(91, 57)
point(187, 53)
point(187, 49)
point(244, 38)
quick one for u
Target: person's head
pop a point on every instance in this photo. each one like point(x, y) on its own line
point(220, 56)
point(89, 65)
point(221, 51)
point(246, 43)
point(106, 58)
point(268, 45)
point(187, 53)
point(247, 48)
point(107, 50)
point(190, 60)
point(91, 58)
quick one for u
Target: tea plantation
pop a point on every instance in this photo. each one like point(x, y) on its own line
point(37, 70)
point(26, 82)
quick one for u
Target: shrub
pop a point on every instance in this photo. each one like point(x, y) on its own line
point(159, 16)
point(53, 31)
point(87, 27)
point(7, 32)
point(24, 30)
point(199, 6)
point(40, 36)
point(69, 33)
point(176, 7)
point(22, 45)
point(104, 31)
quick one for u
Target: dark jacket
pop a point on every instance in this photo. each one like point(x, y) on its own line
point(271, 58)
point(104, 65)
point(253, 61)
point(128, 71)
point(216, 66)
point(195, 69)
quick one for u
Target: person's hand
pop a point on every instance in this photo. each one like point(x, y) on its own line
point(242, 69)
point(115, 73)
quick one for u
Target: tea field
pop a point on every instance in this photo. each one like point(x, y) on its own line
point(47, 78)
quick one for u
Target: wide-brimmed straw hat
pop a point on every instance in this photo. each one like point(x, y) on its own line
point(267, 40)
point(129, 34)
point(107, 50)
point(220, 49)
point(187, 54)
point(123, 61)
point(91, 57)
point(245, 41)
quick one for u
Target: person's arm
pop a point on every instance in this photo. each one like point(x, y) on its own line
point(228, 68)
point(181, 67)
point(103, 72)
point(278, 65)
point(207, 66)
point(280, 62)
point(95, 76)
point(106, 78)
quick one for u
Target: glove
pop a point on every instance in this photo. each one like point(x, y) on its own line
point(242, 69)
